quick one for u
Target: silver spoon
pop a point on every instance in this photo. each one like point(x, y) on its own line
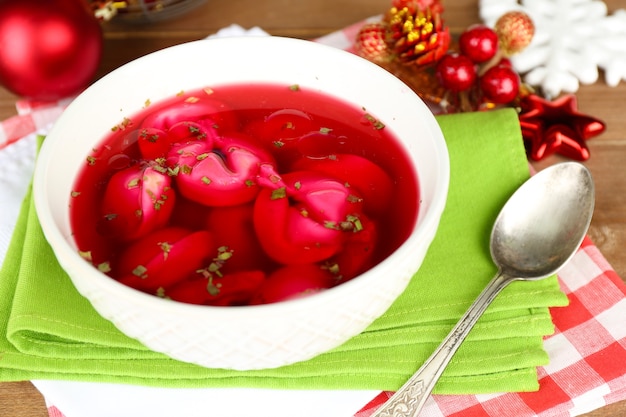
point(538, 230)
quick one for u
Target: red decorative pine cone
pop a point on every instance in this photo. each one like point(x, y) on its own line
point(414, 5)
point(370, 43)
point(417, 36)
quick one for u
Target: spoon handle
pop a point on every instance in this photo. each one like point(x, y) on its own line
point(409, 400)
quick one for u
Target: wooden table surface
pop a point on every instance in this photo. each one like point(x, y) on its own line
point(310, 19)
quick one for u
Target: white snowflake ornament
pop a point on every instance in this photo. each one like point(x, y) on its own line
point(573, 38)
point(611, 51)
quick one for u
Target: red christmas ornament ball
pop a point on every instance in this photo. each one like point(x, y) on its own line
point(49, 49)
point(455, 72)
point(479, 43)
point(500, 84)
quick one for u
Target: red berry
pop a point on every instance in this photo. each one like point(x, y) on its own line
point(456, 72)
point(505, 62)
point(500, 84)
point(479, 43)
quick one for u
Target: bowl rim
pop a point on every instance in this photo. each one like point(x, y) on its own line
point(64, 252)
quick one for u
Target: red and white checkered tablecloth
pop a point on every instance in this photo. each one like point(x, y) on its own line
point(31, 117)
point(587, 352)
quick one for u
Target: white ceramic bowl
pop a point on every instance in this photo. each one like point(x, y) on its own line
point(253, 337)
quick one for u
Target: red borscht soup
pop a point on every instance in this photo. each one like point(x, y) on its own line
point(243, 194)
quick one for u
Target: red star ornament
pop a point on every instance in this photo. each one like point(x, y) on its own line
point(556, 127)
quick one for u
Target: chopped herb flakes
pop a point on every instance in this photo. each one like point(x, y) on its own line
point(333, 268)
point(86, 255)
point(329, 224)
point(378, 125)
point(279, 193)
point(223, 253)
point(125, 123)
point(274, 178)
point(212, 288)
point(354, 199)
point(134, 183)
point(160, 169)
point(352, 223)
point(347, 226)
point(104, 267)
point(150, 138)
point(214, 268)
point(140, 271)
point(160, 292)
point(166, 247)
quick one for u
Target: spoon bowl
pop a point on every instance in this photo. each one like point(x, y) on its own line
point(537, 231)
point(543, 223)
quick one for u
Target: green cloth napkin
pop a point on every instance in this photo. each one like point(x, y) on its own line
point(48, 331)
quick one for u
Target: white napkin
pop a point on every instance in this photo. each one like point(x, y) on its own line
point(17, 162)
